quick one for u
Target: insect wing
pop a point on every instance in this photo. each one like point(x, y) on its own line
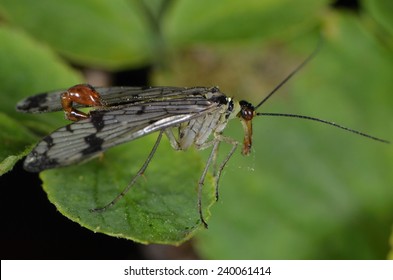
point(111, 96)
point(106, 128)
point(41, 103)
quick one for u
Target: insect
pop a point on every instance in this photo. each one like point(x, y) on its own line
point(187, 116)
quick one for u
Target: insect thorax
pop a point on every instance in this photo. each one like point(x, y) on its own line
point(199, 131)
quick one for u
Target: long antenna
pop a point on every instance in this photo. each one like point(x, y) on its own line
point(325, 122)
point(311, 56)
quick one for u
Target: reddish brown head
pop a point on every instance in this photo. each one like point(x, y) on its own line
point(246, 115)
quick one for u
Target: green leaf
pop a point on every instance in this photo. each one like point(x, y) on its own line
point(110, 34)
point(381, 11)
point(14, 140)
point(160, 208)
point(27, 68)
point(390, 255)
point(219, 21)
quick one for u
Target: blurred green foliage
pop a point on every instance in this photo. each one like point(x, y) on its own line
point(307, 192)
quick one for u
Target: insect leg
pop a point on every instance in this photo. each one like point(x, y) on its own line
point(133, 180)
point(214, 167)
point(217, 174)
point(201, 181)
point(172, 139)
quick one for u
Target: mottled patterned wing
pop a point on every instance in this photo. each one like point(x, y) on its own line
point(106, 128)
point(111, 96)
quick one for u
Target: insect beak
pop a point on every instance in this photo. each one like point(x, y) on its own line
point(246, 114)
point(247, 142)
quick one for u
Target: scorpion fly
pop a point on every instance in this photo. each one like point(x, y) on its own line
point(187, 116)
